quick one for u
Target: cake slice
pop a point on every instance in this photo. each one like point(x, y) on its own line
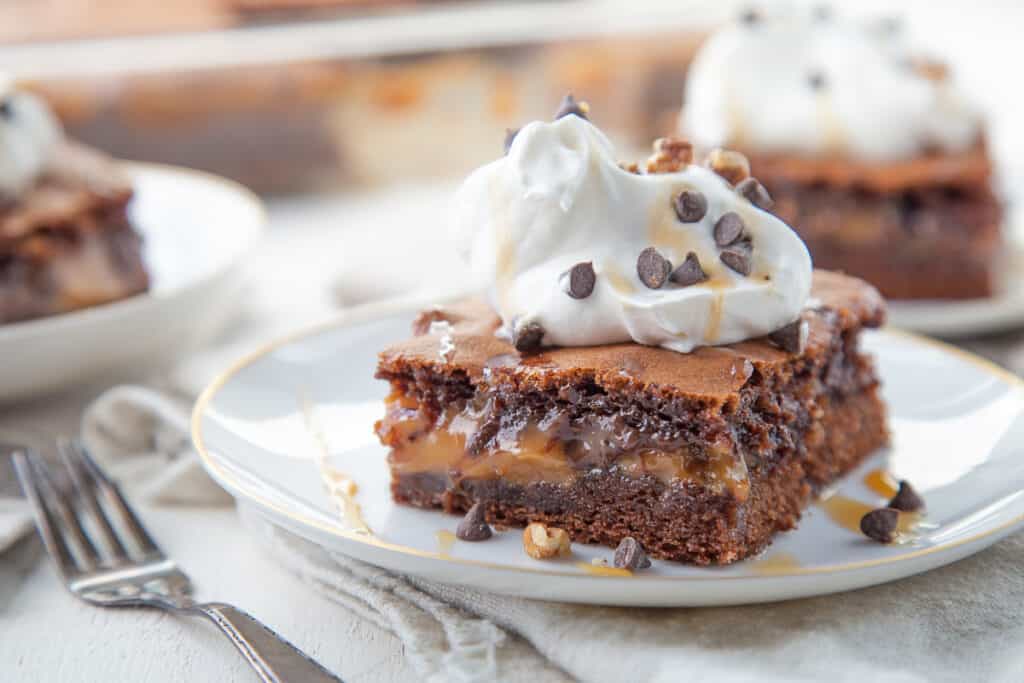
point(699, 456)
point(66, 241)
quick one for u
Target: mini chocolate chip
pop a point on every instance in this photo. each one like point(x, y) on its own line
point(792, 338)
point(816, 80)
point(569, 105)
point(750, 16)
point(6, 109)
point(728, 229)
point(906, 499)
point(652, 268)
point(754, 192)
point(880, 525)
point(689, 273)
point(581, 279)
point(737, 257)
point(473, 526)
point(630, 555)
point(691, 206)
point(510, 136)
point(528, 337)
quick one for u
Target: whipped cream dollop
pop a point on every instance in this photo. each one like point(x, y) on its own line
point(805, 81)
point(558, 231)
point(29, 134)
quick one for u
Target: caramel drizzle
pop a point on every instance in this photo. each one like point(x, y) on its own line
point(445, 541)
point(341, 488)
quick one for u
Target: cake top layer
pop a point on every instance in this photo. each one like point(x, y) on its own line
point(29, 134)
point(461, 338)
point(576, 250)
point(805, 81)
point(79, 181)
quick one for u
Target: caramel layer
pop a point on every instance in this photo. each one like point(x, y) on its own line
point(531, 454)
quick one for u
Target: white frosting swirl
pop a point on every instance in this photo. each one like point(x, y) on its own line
point(29, 133)
point(751, 86)
point(559, 198)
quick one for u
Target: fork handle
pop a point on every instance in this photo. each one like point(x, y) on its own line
point(274, 659)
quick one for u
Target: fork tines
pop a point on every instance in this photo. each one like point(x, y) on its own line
point(92, 525)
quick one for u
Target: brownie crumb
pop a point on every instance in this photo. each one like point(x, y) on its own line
point(528, 337)
point(791, 338)
point(728, 229)
point(755, 193)
point(689, 273)
point(880, 525)
point(906, 499)
point(473, 526)
point(691, 206)
point(580, 280)
point(652, 268)
point(631, 555)
point(569, 106)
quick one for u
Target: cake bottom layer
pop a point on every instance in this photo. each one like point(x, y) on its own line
point(678, 521)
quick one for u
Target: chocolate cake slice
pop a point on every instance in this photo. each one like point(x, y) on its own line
point(701, 457)
point(66, 243)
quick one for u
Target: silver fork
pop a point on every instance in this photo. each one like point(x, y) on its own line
point(107, 558)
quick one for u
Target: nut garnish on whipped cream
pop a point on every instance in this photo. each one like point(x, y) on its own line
point(800, 80)
point(29, 134)
point(577, 251)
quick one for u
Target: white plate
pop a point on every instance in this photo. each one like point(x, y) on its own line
point(967, 318)
point(261, 429)
point(197, 229)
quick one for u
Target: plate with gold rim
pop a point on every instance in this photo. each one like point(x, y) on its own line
point(289, 432)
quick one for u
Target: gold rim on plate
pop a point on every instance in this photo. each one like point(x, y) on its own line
point(369, 312)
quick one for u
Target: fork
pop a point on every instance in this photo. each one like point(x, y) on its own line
point(107, 558)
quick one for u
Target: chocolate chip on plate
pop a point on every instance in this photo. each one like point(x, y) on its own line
point(473, 526)
point(689, 273)
point(528, 337)
point(510, 136)
point(791, 338)
point(580, 280)
point(690, 206)
point(754, 192)
point(569, 106)
point(630, 555)
point(816, 80)
point(880, 525)
point(738, 257)
point(728, 229)
point(652, 268)
point(906, 499)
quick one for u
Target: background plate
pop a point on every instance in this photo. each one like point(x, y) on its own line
point(197, 229)
point(285, 426)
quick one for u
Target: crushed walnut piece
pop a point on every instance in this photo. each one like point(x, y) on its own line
point(731, 165)
point(542, 542)
point(671, 155)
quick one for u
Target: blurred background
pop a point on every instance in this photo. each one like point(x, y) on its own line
point(355, 118)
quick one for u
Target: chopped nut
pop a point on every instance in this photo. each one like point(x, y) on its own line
point(731, 165)
point(542, 542)
point(930, 69)
point(631, 167)
point(670, 155)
